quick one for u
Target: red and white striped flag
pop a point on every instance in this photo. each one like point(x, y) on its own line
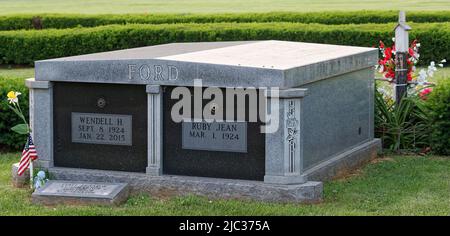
point(28, 155)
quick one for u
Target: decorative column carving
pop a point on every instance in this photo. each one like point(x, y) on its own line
point(292, 129)
point(283, 147)
point(154, 130)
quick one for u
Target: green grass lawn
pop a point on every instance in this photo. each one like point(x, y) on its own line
point(397, 185)
point(209, 6)
point(23, 72)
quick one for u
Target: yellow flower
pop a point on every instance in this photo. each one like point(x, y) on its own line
point(13, 97)
point(11, 94)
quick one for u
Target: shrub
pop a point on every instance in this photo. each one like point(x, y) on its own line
point(25, 47)
point(8, 138)
point(404, 126)
point(439, 105)
point(59, 21)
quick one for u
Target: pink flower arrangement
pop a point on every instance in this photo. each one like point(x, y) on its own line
point(424, 93)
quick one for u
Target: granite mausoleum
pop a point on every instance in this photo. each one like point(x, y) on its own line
point(108, 117)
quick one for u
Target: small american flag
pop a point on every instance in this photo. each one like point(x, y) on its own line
point(28, 154)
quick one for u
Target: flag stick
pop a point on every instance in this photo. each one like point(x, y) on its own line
point(31, 173)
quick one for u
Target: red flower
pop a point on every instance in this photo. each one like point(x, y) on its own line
point(409, 76)
point(388, 64)
point(387, 53)
point(411, 52)
point(424, 93)
point(390, 74)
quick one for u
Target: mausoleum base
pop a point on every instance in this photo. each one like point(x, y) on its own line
point(345, 162)
point(166, 185)
point(170, 185)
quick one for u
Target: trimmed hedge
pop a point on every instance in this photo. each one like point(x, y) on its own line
point(439, 104)
point(25, 46)
point(58, 21)
point(8, 138)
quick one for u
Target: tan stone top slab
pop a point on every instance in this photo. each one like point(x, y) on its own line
point(270, 54)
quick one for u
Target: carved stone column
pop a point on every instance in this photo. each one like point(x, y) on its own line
point(41, 120)
point(284, 146)
point(155, 119)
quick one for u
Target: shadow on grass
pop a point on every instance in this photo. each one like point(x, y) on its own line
point(397, 185)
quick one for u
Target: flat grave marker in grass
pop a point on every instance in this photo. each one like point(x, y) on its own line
point(75, 192)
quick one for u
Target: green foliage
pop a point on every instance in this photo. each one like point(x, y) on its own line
point(396, 185)
point(439, 105)
point(60, 21)
point(405, 126)
point(25, 47)
point(8, 119)
point(20, 129)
